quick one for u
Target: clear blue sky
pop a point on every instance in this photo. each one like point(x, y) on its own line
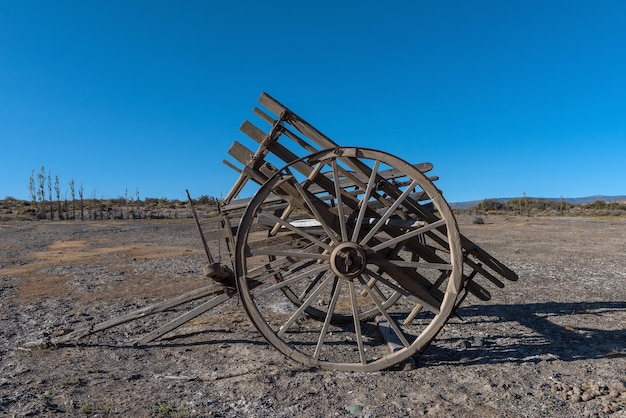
point(504, 98)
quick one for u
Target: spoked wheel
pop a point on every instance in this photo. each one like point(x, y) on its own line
point(362, 265)
point(318, 311)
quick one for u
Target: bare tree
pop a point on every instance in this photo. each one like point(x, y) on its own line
point(50, 196)
point(41, 191)
point(57, 192)
point(138, 200)
point(73, 193)
point(33, 190)
point(81, 193)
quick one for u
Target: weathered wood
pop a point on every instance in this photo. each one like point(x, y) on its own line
point(188, 316)
point(215, 234)
point(240, 153)
point(80, 333)
point(393, 342)
point(257, 160)
point(232, 166)
point(253, 132)
point(301, 125)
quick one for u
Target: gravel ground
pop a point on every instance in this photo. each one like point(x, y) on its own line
point(551, 344)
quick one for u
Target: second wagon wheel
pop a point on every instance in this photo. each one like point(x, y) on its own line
point(359, 231)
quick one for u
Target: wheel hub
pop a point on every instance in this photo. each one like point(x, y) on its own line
point(348, 260)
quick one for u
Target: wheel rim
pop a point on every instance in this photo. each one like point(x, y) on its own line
point(390, 257)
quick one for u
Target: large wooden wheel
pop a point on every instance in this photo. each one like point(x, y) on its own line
point(354, 234)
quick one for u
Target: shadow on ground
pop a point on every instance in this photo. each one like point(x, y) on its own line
point(532, 333)
point(491, 334)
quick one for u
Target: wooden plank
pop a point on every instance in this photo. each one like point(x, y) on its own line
point(478, 291)
point(295, 138)
point(139, 313)
point(232, 166)
point(215, 234)
point(470, 247)
point(253, 132)
point(288, 156)
point(272, 104)
point(300, 124)
point(483, 272)
point(241, 153)
point(267, 118)
point(488, 260)
point(243, 203)
point(177, 322)
point(246, 175)
point(393, 342)
point(258, 135)
point(320, 181)
point(312, 133)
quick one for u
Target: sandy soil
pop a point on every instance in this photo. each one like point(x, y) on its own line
point(551, 344)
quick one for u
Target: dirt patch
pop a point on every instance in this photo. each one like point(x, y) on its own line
point(551, 344)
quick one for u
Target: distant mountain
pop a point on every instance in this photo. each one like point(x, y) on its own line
point(572, 200)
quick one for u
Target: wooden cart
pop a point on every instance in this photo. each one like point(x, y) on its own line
point(346, 258)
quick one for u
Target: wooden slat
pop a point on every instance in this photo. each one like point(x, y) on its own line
point(215, 234)
point(186, 317)
point(478, 291)
point(271, 104)
point(260, 113)
point(393, 342)
point(231, 166)
point(300, 124)
point(478, 267)
point(240, 153)
point(139, 313)
point(298, 140)
point(253, 132)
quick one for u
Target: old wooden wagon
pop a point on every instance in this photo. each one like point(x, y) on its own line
point(345, 258)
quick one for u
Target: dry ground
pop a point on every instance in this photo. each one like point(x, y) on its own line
point(551, 344)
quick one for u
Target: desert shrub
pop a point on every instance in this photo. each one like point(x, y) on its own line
point(478, 220)
point(491, 205)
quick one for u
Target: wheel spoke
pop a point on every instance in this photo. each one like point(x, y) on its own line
point(336, 290)
point(388, 213)
point(338, 192)
point(305, 196)
point(312, 284)
point(385, 314)
point(408, 235)
point(284, 215)
point(372, 284)
point(304, 305)
point(357, 322)
point(277, 267)
point(364, 202)
point(291, 280)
